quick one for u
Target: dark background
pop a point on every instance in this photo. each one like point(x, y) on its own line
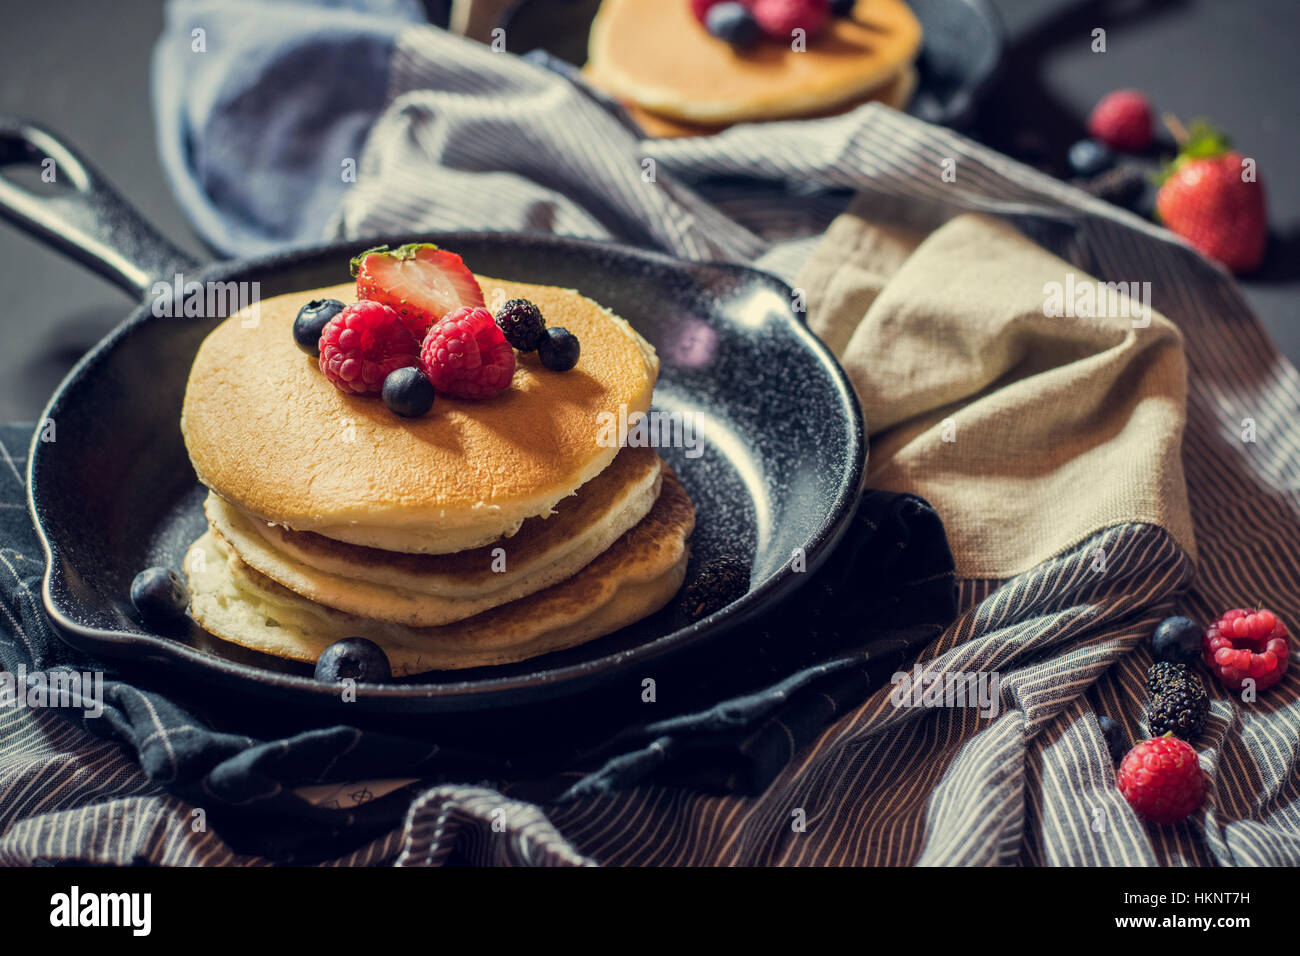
point(81, 67)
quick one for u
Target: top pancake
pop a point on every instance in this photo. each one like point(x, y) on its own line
point(657, 55)
point(269, 433)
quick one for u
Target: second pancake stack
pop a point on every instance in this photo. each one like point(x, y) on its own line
point(676, 79)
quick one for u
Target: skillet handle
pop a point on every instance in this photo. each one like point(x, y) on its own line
point(83, 216)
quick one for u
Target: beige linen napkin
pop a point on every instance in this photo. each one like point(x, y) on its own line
point(1028, 430)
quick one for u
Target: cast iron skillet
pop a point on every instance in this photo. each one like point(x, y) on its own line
point(780, 427)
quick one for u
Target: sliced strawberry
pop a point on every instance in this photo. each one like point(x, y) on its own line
point(419, 281)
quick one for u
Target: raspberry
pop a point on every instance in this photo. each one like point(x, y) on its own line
point(522, 324)
point(780, 18)
point(1122, 120)
point(1244, 645)
point(701, 8)
point(1162, 780)
point(466, 355)
point(362, 344)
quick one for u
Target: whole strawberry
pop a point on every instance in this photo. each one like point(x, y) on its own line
point(1212, 197)
point(1245, 645)
point(1162, 780)
point(1209, 203)
point(1122, 120)
point(419, 281)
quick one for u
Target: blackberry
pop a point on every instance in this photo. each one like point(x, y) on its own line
point(1122, 185)
point(718, 583)
point(1181, 710)
point(522, 323)
point(1164, 676)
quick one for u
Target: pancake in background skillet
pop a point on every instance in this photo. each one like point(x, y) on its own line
point(656, 55)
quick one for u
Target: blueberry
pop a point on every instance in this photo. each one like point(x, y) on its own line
point(160, 597)
point(1178, 640)
point(1088, 157)
point(559, 348)
point(522, 323)
point(311, 320)
point(353, 657)
point(407, 392)
point(1116, 742)
point(843, 8)
point(733, 23)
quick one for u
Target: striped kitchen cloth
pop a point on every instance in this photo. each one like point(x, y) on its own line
point(472, 139)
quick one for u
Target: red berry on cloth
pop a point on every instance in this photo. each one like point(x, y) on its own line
point(1162, 780)
point(361, 345)
point(467, 355)
point(1245, 645)
point(1209, 201)
point(1122, 120)
point(780, 18)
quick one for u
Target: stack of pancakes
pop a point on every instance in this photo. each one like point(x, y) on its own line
point(485, 532)
point(678, 80)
